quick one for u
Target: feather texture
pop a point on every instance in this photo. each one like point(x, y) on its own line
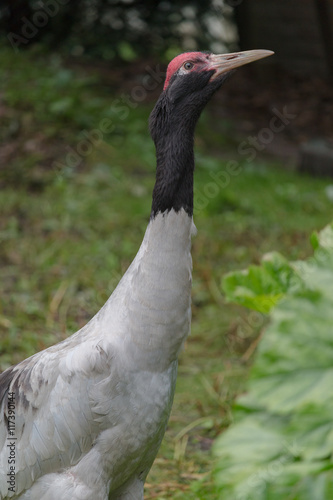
point(91, 411)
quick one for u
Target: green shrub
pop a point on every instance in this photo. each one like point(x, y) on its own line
point(280, 445)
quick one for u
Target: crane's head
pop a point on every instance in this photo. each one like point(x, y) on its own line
point(193, 71)
point(191, 80)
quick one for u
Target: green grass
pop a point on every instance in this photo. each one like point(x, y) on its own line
point(68, 233)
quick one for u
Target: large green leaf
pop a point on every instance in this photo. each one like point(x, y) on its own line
point(281, 444)
point(261, 288)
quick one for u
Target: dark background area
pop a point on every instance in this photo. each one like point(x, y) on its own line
point(127, 34)
point(112, 29)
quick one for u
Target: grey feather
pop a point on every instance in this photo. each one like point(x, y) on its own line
point(91, 411)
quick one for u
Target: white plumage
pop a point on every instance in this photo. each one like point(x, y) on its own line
point(99, 401)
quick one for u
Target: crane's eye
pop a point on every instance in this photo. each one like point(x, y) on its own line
point(188, 65)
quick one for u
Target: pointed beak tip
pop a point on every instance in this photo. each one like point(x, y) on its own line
point(225, 62)
point(254, 55)
point(269, 52)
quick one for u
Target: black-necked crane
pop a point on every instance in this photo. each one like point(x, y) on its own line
point(91, 411)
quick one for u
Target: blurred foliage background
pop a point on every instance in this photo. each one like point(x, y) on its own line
point(78, 81)
point(119, 29)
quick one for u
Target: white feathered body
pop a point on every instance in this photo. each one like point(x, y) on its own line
point(91, 411)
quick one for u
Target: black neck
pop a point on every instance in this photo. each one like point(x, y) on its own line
point(172, 124)
point(174, 174)
point(175, 160)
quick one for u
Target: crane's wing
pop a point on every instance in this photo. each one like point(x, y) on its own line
point(50, 410)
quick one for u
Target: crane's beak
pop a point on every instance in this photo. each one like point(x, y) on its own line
point(222, 63)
